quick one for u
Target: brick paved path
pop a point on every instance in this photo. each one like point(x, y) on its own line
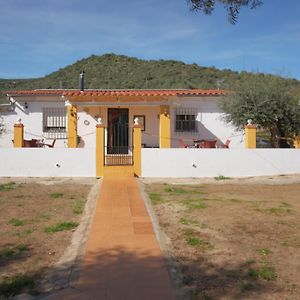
point(123, 258)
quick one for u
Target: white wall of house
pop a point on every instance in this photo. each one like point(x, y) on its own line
point(150, 137)
point(86, 125)
point(32, 119)
point(210, 122)
point(88, 115)
point(216, 162)
point(43, 162)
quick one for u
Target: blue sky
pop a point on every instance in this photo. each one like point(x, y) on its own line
point(38, 37)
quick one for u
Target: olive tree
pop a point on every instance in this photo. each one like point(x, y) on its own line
point(232, 6)
point(269, 103)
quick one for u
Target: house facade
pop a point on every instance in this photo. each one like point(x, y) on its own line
point(59, 133)
point(169, 118)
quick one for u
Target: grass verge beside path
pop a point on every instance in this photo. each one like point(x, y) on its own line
point(36, 225)
point(233, 240)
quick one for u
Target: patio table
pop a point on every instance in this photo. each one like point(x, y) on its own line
point(205, 143)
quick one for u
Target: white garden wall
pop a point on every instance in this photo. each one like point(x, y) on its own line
point(44, 162)
point(215, 162)
point(64, 162)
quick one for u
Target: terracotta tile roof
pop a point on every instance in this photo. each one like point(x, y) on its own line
point(143, 92)
point(34, 92)
point(179, 92)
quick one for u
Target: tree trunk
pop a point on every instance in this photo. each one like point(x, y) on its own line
point(275, 137)
point(283, 142)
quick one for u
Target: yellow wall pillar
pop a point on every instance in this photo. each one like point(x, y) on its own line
point(99, 150)
point(164, 127)
point(297, 142)
point(18, 135)
point(250, 136)
point(137, 150)
point(72, 126)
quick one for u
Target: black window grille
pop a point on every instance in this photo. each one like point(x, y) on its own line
point(185, 121)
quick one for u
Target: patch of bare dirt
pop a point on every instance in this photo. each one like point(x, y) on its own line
point(232, 240)
point(37, 220)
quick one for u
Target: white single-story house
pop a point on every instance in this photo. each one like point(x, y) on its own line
point(181, 115)
point(130, 132)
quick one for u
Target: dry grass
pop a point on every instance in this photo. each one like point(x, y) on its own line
point(233, 240)
point(36, 224)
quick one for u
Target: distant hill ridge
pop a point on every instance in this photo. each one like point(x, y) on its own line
point(123, 72)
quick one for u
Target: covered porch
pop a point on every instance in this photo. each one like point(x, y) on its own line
point(125, 123)
point(117, 113)
point(169, 118)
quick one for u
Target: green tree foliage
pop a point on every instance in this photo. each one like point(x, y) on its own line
point(232, 6)
point(270, 103)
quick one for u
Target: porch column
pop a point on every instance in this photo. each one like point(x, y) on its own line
point(297, 142)
point(137, 149)
point(18, 135)
point(99, 150)
point(72, 125)
point(164, 127)
point(250, 136)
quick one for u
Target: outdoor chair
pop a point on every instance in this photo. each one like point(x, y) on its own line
point(226, 145)
point(51, 145)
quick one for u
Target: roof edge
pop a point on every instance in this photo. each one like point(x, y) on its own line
point(116, 92)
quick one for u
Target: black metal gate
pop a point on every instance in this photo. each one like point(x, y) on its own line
point(119, 149)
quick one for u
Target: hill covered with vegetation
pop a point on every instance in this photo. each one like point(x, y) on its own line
point(122, 72)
